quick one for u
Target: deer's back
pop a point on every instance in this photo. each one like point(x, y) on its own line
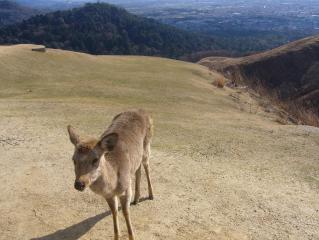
point(134, 129)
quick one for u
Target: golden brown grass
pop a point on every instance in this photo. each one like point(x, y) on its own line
point(303, 115)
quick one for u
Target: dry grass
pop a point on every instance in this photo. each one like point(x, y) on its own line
point(281, 121)
point(303, 115)
point(296, 113)
point(287, 111)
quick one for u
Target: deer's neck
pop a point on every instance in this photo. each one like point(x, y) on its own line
point(105, 184)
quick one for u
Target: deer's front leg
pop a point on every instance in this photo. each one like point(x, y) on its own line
point(137, 185)
point(125, 203)
point(114, 209)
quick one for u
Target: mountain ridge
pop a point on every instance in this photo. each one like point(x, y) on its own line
point(100, 28)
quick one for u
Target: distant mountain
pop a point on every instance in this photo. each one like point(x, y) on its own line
point(101, 28)
point(11, 12)
point(292, 71)
point(52, 4)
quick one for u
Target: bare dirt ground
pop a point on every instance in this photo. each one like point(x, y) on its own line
point(221, 169)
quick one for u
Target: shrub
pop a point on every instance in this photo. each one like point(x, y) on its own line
point(219, 82)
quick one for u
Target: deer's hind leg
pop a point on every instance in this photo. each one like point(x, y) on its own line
point(137, 185)
point(145, 162)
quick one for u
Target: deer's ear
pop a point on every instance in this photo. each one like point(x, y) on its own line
point(74, 138)
point(108, 142)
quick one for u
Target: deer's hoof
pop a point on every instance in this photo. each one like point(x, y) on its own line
point(131, 237)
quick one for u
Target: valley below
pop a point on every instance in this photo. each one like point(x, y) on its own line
point(222, 166)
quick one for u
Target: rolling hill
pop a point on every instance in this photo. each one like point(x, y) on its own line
point(222, 167)
point(291, 71)
point(105, 29)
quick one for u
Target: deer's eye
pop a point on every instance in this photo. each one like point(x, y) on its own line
point(94, 162)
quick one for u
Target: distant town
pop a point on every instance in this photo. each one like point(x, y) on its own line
point(260, 15)
point(265, 24)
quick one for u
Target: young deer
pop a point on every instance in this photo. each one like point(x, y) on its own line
point(107, 164)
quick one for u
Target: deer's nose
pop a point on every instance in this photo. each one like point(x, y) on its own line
point(78, 185)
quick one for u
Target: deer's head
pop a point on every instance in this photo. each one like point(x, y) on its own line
point(87, 157)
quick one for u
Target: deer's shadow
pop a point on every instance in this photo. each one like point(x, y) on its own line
point(79, 229)
point(75, 231)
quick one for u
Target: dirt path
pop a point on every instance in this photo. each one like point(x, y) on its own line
point(244, 182)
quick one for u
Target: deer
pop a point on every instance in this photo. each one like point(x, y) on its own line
point(107, 164)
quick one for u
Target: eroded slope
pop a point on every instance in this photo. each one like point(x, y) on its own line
point(291, 70)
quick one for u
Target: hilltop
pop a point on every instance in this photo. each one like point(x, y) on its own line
point(101, 28)
point(291, 71)
point(222, 167)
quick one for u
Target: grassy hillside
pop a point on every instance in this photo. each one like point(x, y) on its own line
point(60, 74)
point(222, 167)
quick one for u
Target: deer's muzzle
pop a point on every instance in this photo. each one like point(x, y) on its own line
point(80, 186)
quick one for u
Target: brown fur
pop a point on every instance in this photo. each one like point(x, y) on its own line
point(107, 164)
